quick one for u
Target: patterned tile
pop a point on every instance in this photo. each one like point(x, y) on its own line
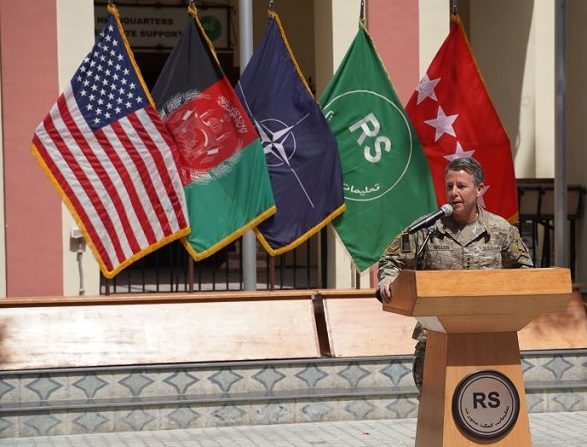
point(396, 371)
point(183, 417)
point(90, 422)
point(139, 419)
point(290, 381)
point(567, 402)
point(353, 374)
point(268, 377)
point(225, 379)
point(136, 383)
point(373, 378)
point(274, 413)
point(44, 387)
point(579, 369)
point(90, 384)
point(40, 425)
point(300, 376)
point(537, 372)
point(317, 411)
point(228, 415)
point(311, 375)
point(527, 365)
point(359, 408)
point(403, 407)
point(558, 366)
point(8, 427)
point(535, 403)
point(181, 381)
point(8, 390)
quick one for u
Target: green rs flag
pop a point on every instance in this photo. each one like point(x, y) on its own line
point(386, 179)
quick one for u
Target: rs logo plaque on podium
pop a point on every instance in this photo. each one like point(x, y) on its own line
point(486, 405)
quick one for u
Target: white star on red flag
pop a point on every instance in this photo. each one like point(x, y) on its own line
point(459, 153)
point(442, 124)
point(425, 89)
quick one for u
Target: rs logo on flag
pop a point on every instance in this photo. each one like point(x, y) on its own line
point(369, 175)
point(370, 127)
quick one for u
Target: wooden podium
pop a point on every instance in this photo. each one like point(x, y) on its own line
point(473, 391)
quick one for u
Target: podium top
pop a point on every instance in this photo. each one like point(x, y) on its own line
point(516, 296)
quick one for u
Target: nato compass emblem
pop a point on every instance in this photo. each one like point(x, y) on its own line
point(279, 144)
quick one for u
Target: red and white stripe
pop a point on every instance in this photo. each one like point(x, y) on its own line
point(122, 179)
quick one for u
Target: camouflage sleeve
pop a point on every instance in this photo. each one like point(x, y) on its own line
point(515, 254)
point(394, 259)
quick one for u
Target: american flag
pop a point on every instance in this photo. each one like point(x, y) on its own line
point(105, 148)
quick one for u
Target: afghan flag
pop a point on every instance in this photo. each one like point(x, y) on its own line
point(454, 117)
point(300, 149)
point(386, 179)
point(221, 161)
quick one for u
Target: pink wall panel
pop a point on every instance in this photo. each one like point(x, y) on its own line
point(393, 25)
point(28, 39)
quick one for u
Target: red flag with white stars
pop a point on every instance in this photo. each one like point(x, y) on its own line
point(454, 117)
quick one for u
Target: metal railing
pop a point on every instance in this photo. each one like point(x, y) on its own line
point(536, 224)
point(168, 270)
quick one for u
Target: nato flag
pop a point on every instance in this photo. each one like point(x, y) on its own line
point(300, 149)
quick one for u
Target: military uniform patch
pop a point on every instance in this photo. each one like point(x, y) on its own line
point(406, 245)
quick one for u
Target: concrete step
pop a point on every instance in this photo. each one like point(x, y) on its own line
point(153, 397)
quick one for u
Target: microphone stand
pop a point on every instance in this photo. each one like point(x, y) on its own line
point(419, 258)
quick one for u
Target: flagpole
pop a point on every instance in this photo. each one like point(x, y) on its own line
point(560, 159)
point(453, 7)
point(191, 274)
point(249, 245)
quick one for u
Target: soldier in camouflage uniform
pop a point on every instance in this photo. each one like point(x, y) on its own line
point(470, 238)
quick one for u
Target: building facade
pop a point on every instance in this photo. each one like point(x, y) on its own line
point(43, 42)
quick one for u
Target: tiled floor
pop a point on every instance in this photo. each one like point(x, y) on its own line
point(548, 430)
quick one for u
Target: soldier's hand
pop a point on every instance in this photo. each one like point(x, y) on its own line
point(385, 291)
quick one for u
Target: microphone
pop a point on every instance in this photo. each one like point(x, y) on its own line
point(427, 221)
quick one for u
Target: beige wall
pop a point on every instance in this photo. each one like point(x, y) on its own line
point(434, 25)
point(514, 46)
point(75, 35)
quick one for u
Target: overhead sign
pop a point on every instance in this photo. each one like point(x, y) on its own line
point(151, 28)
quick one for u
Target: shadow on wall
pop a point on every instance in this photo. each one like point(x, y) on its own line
point(500, 33)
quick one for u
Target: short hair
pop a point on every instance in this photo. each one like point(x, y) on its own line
point(467, 164)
